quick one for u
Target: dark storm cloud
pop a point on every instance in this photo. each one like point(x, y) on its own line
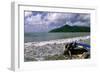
point(37, 21)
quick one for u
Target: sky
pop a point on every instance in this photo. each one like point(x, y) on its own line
point(39, 21)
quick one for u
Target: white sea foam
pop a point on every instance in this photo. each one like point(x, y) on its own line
point(41, 50)
point(58, 41)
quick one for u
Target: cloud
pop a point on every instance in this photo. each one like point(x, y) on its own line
point(45, 21)
point(34, 20)
point(56, 19)
point(34, 23)
point(27, 13)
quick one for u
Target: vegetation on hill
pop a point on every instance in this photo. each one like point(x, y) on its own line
point(67, 28)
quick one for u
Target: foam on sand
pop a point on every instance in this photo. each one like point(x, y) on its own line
point(58, 41)
point(38, 51)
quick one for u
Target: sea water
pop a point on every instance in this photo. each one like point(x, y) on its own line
point(44, 36)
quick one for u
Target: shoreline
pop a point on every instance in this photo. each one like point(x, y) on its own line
point(48, 50)
point(58, 41)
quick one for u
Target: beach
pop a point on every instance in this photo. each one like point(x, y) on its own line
point(40, 51)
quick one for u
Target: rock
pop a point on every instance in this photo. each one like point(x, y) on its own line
point(39, 51)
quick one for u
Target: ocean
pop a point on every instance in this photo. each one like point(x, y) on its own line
point(44, 36)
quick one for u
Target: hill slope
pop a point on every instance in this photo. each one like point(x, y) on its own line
point(67, 28)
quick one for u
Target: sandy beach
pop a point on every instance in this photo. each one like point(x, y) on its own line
point(39, 51)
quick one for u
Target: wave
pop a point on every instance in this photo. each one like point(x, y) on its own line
point(58, 41)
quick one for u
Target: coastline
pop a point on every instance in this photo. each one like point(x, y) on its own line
point(58, 41)
point(49, 50)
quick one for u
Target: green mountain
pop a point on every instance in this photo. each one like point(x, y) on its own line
point(67, 28)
